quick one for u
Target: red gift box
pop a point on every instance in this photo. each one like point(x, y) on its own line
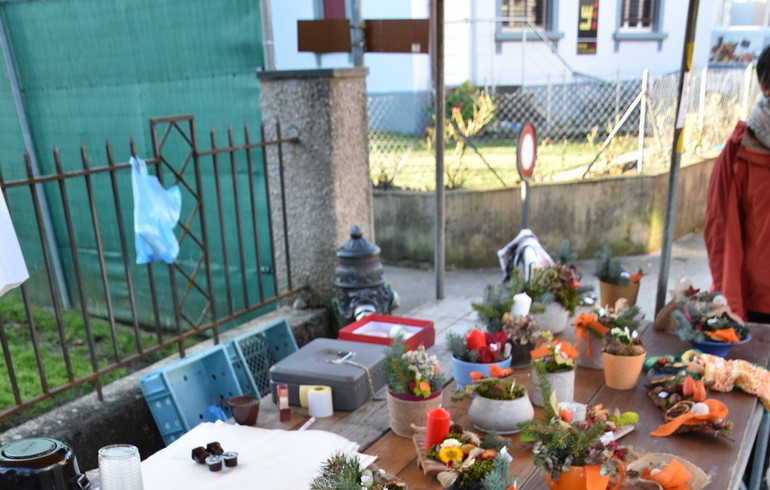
point(375, 329)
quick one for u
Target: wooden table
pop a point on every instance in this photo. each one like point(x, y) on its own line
point(724, 461)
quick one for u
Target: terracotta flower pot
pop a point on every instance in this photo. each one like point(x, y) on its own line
point(555, 318)
point(562, 384)
point(610, 293)
point(501, 416)
point(583, 478)
point(405, 410)
point(622, 372)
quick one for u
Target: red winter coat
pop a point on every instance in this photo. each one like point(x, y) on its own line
point(737, 229)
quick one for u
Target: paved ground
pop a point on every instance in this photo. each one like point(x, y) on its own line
point(688, 258)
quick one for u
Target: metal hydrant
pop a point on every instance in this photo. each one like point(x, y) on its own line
point(361, 289)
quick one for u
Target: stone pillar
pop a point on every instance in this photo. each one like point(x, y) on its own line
point(326, 174)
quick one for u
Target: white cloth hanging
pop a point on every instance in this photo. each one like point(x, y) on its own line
point(13, 270)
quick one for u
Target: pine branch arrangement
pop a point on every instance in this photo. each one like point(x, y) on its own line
point(498, 300)
point(340, 472)
point(609, 269)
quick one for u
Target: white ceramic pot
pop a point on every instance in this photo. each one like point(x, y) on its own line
point(562, 383)
point(555, 318)
point(501, 416)
point(594, 361)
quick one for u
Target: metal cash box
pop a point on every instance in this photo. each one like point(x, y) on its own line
point(346, 366)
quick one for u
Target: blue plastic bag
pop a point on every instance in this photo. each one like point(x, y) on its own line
point(156, 212)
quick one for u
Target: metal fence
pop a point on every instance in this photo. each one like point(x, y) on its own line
point(224, 191)
point(573, 117)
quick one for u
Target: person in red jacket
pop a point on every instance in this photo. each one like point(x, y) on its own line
point(737, 228)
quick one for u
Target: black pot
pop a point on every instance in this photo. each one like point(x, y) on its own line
point(40, 464)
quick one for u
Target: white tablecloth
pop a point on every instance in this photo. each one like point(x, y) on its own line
point(267, 459)
point(13, 271)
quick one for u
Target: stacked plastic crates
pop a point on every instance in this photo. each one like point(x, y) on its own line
point(190, 391)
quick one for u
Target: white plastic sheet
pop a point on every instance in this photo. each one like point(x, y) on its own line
point(13, 270)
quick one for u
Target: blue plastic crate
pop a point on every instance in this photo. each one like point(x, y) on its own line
point(179, 394)
point(252, 353)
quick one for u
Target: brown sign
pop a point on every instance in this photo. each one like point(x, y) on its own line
point(324, 36)
point(381, 35)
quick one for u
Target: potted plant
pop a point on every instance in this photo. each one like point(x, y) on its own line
point(590, 329)
point(573, 456)
point(343, 470)
point(497, 301)
point(706, 321)
point(477, 351)
point(623, 358)
point(499, 404)
point(414, 382)
point(523, 332)
point(554, 291)
point(472, 462)
point(614, 281)
point(556, 360)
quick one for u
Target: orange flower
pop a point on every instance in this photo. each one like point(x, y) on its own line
point(424, 386)
point(567, 348)
point(547, 349)
point(726, 335)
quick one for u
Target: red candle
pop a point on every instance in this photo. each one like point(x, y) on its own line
point(436, 427)
point(475, 339)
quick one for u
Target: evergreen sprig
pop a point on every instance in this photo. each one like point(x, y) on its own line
point(609, 269)
point(497, 301)
point(340, 472)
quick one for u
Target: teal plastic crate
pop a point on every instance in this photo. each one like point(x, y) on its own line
point(179, 394)
point(252, 353)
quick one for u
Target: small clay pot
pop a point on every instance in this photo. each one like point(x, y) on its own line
point(245, 409)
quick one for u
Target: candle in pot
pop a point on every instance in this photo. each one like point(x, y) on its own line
point(521, 305)
point(436, 427)
point(475, 339)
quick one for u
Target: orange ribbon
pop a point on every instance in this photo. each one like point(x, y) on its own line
point(584, 322)
point(717, 410)
point(673, 476)
point(726, 335)
point(546, 349)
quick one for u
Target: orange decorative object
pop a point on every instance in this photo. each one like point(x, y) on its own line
point(547, 348)
point(496, 371)
point(726, 335)
point(673, 476)
point(688, 387)
point(587, 477)
point(699, 393)
point(475, 339)
point(583, 323)
point(477, 376)
point(717, 410)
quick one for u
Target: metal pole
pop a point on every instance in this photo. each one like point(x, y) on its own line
point(440, 226)
point(642, 121)
point(21, 113)
point(702, 98)
point(676, 153)
point(357, 33)
point(268, 47)
point(525, 204)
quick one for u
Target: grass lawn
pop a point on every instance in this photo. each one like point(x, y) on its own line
point(409, 164)
point(25, 364)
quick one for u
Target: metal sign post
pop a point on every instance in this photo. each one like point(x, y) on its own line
point(526, 155)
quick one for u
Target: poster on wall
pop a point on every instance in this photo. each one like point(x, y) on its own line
point(588, 22)
point(736, 48)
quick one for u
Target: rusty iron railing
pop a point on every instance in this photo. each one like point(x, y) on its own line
point(197, 307)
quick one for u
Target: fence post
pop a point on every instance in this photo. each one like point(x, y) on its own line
point(702, 98)
point(746, 88)
point(548, 107)
point(617, 96)
point(642, 121)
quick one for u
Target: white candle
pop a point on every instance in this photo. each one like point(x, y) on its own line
point(521, 304)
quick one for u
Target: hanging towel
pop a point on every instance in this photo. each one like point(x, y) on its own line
point(13, 270)
point(156, 212)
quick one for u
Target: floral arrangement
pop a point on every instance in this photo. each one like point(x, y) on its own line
point(344, 471)
point(478, 346)
point(623, 342)
point(707, 316)
point(412, 372)
point(499, 385)
point(557, 282)
point(554, 356)
point(668, 391)
point(601, 321)
point(473, 462)
point(497, 301)
point(560, 444)
point(611, 271)
point(521, 330)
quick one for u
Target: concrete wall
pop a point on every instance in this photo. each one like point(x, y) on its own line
point(626, 212)
point(326, 175)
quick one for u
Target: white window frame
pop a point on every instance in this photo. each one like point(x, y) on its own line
point(653, 32)
point(516, 33)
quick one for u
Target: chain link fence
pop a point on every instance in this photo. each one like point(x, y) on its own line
point(573, 118)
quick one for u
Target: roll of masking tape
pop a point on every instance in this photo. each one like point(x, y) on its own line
point(319, 401)
point(303, 389)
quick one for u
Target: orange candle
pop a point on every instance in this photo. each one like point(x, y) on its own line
point(436, 427)
point(475, 339)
